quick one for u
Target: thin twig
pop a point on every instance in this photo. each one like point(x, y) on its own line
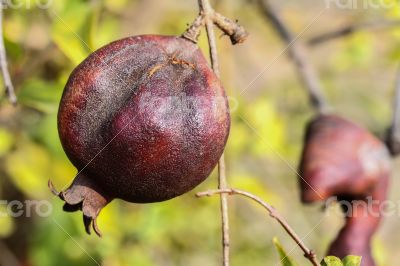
point(231, 28)
point(222, 184)
point(208, 13)
point(237, 33)
point(308, 253)
point(350, 29)
point(393, 135)
point(297, 53)
point(3, 61)
point(208, 17)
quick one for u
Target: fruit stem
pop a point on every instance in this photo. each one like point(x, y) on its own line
point(3, 61)
point(208, 12)
point(297, 54)
point(308, 253)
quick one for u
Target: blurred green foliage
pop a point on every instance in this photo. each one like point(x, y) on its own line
point(286, 260)
point(347, 261)
point(44, 46)
point(327, 261)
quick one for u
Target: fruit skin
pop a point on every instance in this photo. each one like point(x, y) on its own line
point(344, 160)
point(143, 119)
point(340, 158)
point(361, 224)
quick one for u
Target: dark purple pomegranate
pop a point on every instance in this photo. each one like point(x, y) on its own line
point(144, 119)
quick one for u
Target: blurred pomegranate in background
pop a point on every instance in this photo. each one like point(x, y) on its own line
point(362, 221)
point(341, 159)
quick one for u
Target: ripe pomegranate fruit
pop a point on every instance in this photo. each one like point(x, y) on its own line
point(344, 160)
point(144, 119)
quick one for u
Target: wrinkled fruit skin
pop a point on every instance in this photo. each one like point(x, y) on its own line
point(143, 119)
point(344, 160)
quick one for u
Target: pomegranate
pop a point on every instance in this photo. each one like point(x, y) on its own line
point(340, 159)
point(144, 119)
point(363, 217)
point(344, 160)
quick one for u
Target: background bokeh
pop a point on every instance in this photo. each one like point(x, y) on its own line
point(44, 45)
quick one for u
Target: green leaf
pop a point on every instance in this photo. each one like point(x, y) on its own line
point(29, 167)
point(40, 95)
point(14, 50)
point(45, 132)
point(285, 259)
point(7, 225)
point(352, 261)
point(267, 127)
point(71, 32)
point(7, 141)
point(331, 261)
point(90, 26)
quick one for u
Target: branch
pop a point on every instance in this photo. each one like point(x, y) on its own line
point(208, 17)
point(3, 62)
point(231, 28)
point(393, 135)
point(236, 33)
point(298, 55)
point(350, 29)
point(308, 253)
point(7, 257)
point(208, 12)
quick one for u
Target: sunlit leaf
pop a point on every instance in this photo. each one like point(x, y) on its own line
point(265, 126)
point(331, 261)
point(110, 28)
point(6, 222)
point(359, 50)
point(70, 31)
point(29, 168)
point(380, 252)
point(6, 141)
point(352, 261)
point(46, 132)
point(285, 259)
point(14, 50)
point(238, 139)
point(90, 26)
point(40, 95)
point(15, 28)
